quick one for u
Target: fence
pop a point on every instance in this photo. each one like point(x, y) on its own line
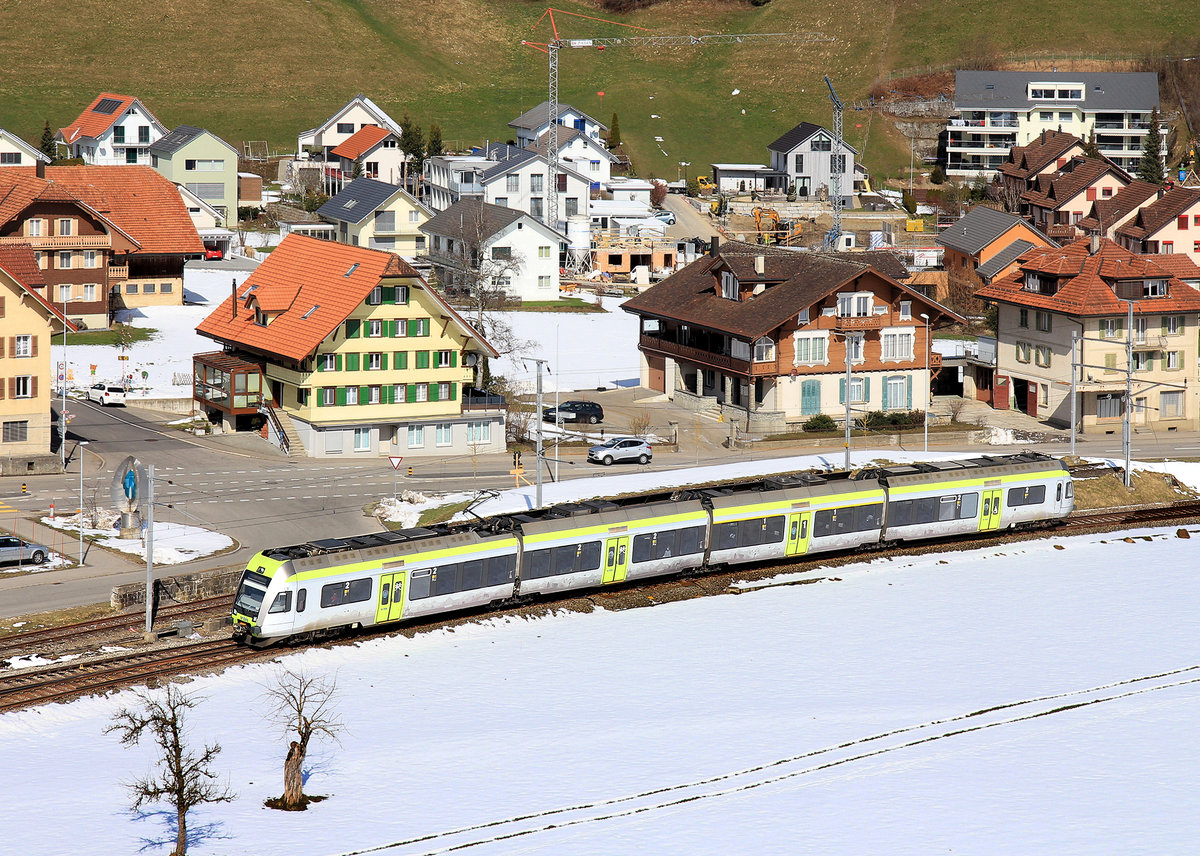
point(1011, 60)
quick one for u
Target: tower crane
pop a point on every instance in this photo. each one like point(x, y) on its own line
point(835, 173)
point(556, 43)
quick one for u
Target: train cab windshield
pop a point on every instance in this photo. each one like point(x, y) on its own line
point(250, 594)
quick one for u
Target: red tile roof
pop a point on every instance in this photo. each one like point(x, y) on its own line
point(314, 285)
point(1025, 161)
point(1176, 264)
point(360, 142)
point(140, 201)
point(1109, 211)
point(1088, 282)
point(1051, 191)
point(18, 261)
point(1161, 212)
point(91, 123)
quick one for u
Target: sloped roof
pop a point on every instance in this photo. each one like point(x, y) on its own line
point(1079, 173)
point(358, 200)
point(793, 279)
point(1161, 212)
point(1088, 281)
point(33, 152)
point(533, 119)
point(180, 137)
point(978, 228)
point(361, 141)
point(370, 106)
point(19, 262)
point(565, 138)
point(1176, 264)
point(1103, 90)
point(471, 219)
point(1003, 259)
point(138, 200)
point(100, 115)
point(1120, 204)
point(799, 134)
point(1039, 153)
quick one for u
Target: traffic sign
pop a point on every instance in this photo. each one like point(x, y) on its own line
point(395, 461)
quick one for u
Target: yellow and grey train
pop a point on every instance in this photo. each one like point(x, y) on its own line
point(328, 586)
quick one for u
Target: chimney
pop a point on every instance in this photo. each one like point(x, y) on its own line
point(39, 168)
point(233, 285)
point(1094, 244)
point(760, 264)
point(714, 248)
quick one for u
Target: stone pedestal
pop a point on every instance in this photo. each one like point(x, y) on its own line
point(131, 525)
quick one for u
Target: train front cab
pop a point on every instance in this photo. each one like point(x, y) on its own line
point(261, 592)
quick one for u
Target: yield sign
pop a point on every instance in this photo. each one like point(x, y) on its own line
point(395, 461)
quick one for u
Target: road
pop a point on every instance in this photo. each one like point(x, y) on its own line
point(689, 222)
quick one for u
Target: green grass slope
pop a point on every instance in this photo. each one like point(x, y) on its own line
point(268, 69)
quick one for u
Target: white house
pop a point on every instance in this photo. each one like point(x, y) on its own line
point(805, 156)
point(378, 215)
point(114, 130)
point(16, 152)
point(377, 151)
point(629, 190)
point(473, 242)
point(585, 155)
point(531, 124)
point(356, 114)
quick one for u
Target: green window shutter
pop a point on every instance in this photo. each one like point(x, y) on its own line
point(320, 363)
point(1120, 326)
point(341, 396)
point(1110, 361)
point(908, 391)
point(383, 361)
point(351, 362)
point(1150, 364)
point(867, 389)
point(410, 393)
point(1163, 324)
point(454, 359)
point(433, 392)
point(885, 393)
point(364, 394)
point(841, 390)
point(413, 327)
point(453, 390)
point(422, 359)
point(389, 294)
point(337, 362)
point(320, 394)
point(353, 328)
point(400, 359)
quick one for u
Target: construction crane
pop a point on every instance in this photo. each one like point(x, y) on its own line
point(835, 173)
point(555, 44)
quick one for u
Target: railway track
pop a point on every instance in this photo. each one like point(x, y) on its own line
point(33, 640)
point(63, 681)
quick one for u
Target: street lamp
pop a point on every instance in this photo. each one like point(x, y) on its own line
point(928, 380)
point(82, 443)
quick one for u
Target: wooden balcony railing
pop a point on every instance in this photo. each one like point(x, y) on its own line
point(709, 359)
point(855, 323)
point(61, 242)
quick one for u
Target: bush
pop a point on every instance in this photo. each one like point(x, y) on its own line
point(658, 192)
point(937, 175)
point(895, 419)
point(693, 187)
point(820, 422)
point(909, 202)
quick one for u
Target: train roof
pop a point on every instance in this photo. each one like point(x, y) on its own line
point(984, 466)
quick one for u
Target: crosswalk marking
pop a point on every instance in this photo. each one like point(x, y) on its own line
point(5, 507)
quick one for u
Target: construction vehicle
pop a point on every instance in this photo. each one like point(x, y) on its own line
point(914, 225)
point(705, 184)
point(719, 206)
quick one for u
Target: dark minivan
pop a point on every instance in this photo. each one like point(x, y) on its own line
point(574, 411)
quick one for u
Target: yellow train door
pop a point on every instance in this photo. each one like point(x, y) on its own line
point(989, 515)
point(797, 533)
point(616, 559)
point(390, 606)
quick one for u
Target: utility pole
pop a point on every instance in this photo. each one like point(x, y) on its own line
point(1126, 438)
point(538, 416)
point(552, 47)
point(1074, 394)
point(850, 338)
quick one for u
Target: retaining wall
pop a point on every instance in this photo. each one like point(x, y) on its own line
point(179, 588)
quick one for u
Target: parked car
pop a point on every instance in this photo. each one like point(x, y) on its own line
point(103, 393)
point(18, 550)
point(574, 411)
point(213, 253)
point(621, 449)
point(667, 217)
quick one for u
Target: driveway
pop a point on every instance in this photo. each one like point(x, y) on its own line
point(689, 222)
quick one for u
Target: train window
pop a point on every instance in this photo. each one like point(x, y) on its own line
point(282, 602)
point(589, 556)
point(948, 510)
point(1058, 493)
point(418, 585)
point(925, 510)
point(691, 540)
point(774, 529)
point(987, 506)
point(537, 565)
point(1032, 495)
point(643, 548)
point(612, 557)
point(823, 524)
point(565, 558)
point(384, 589)
point(725, 536)
point(804, 528)
point(353, 591)
point(751, 532)
point(500, 570)
point(301, 599)
point(621, 553)
point(666, 544)
point(445, 579)
point(1070, 489)
point(900, 513)
point(360, 590)
point(969, 506)
point(472, 575)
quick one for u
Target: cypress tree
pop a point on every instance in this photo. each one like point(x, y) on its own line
point(614, 133)
point(1150, 168)
point(412, 142)
point(47, 146)
point(1090, 149)
point(434, 148)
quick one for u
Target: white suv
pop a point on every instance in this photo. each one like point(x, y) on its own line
point(621, 449)
point(104, 394)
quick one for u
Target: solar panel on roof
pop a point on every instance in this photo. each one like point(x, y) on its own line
point(107, 106)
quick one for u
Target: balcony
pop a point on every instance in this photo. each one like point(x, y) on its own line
point(465, 188)
point(118, 272)
point(708, 359)
point(859, 323)
point(61, 242)
point(1110, 125)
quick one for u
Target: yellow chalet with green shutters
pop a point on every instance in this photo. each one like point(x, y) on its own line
point(330, 350)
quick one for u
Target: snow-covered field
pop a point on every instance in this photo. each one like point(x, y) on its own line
point(1037, 698)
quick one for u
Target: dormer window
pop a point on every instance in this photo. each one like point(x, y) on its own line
point(1154, 288)
point(729, 285)
point(262, 319)
point(1040, 284)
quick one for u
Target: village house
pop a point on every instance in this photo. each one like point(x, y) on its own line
point(582, 154)
point(532, 124)
point(112, 130)
point(1108, 214)
point(375, 214)
point(1086, 289)
point(1048, 152)
point(805, 156)
point(763, 335)
point(356, 114)
point(345, 352)
point(27, 322)
point(373, 152)
point(1059, 200)
point(105, 237)
point(1169, 224)
point(16, 152)
point(476, 246)
point(203, 163)
point(984, 244)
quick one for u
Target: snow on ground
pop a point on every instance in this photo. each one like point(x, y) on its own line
point(1035, 698)
point(174, 543)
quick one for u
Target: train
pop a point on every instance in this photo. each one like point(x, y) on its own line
point(385, 578)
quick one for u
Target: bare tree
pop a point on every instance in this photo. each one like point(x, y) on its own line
point(302, 705)
point(639, 424)
point(182, 778)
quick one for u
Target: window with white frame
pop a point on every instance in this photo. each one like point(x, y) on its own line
point(1041, 356)
point(536, 181)
point(352, 395)
point(443, 390)
point(764, 351)
point(1154, 288)
point(414, 216)
point(897, 392)
point(905, 310)
point(374, 328)
point(544, 252)
point(1142, 360)
point(1043, 321)
point(543, 282)
point(24, 346)
point(1108, 406)
point(811, 350)
point(328, 362)
point(1170, 404)
point(1139, 329)
point(64, 293)
point(90, 260)
point(416, 436)
point(479, 433)
point(374, 362)
point(854, 304)
point(89, 291)
point(362, 439)
point(374, 394)
point(66, 226)
point(421, 391)
point(858, 394)
point(376, 296)
point(802, 316)
point(512, 183)
point(64, 259)
point(1110, 328)
point(34, 228)
point(897, 345)
point(16, 432)
point(1172, 360)
point(23, 384)
point(444, 436)
point(729, 285)
point(1172, 325)
point(1023, 351)
point(328, 396)
point(443, 359)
